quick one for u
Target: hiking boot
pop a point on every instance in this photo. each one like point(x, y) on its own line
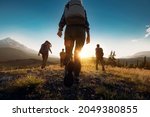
point(68, 79)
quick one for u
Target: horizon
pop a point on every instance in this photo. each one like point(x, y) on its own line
point(121, 26)
point(83, 56)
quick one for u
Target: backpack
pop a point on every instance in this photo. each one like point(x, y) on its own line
point(44, 49)
point(74, 13)
point(99, 52)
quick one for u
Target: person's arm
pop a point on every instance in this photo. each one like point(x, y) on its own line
point(102, 52)
point(50, 50)
point(62, 23)
point(87, 28)
point(39, 51)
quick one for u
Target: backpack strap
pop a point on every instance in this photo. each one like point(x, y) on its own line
point(67, 6)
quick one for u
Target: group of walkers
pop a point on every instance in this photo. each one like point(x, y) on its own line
point(76, 33)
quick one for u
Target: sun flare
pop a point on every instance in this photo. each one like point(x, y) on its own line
point(83, 55)
point(86, 53)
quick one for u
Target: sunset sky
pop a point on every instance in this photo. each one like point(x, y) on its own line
point(119, 25)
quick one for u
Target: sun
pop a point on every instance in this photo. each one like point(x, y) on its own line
point(83, 54)
point(86, 53)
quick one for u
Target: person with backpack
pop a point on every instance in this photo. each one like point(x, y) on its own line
point(44, 50)
point(75, 19)
point(62, 57)
point(99, 57)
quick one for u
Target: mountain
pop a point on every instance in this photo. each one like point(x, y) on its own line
point(10, 43)
point(7, 54)
point(13, 50)
point(141, 54)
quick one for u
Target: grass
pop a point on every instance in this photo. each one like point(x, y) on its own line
point(26, 82)
point(115, 83)
point(21, 87)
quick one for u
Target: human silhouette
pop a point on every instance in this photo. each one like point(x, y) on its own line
point(62, 57)
point(99, 57)
point(75, 19)
point(44, 50)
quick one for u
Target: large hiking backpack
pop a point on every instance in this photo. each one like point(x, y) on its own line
point(74, 13)
point(44, 49)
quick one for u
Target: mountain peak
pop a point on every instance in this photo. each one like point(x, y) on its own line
point(11, 43)
point(8, 38)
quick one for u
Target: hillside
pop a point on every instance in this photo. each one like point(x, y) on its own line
point(13, 54)
point(25, 63)
point(13, 50)
point(141, 54)
point(114, 84)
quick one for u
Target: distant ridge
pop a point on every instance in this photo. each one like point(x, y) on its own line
point(7, 54)
point(13, 50)
point(141, 54)
point(11, 43)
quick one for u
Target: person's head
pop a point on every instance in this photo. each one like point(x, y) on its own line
point(98, 45)
point(48, 43)
point(62, 50)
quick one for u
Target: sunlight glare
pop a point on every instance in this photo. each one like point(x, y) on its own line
point(86, 52)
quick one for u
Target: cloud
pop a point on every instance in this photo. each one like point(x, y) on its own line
point(147, 31)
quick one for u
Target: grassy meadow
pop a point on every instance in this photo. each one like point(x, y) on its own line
point(31, 83)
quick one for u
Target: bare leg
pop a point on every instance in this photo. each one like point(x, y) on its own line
point(97, 61)
point(44, 57)
point(68, 47)
point(102, 63)
point(77, 60)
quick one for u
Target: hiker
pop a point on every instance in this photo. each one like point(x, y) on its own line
point(99, 57)
point(75, 19)
point(62, 57)
point(44, 50)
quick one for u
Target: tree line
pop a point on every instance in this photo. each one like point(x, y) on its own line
point(142, 62)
